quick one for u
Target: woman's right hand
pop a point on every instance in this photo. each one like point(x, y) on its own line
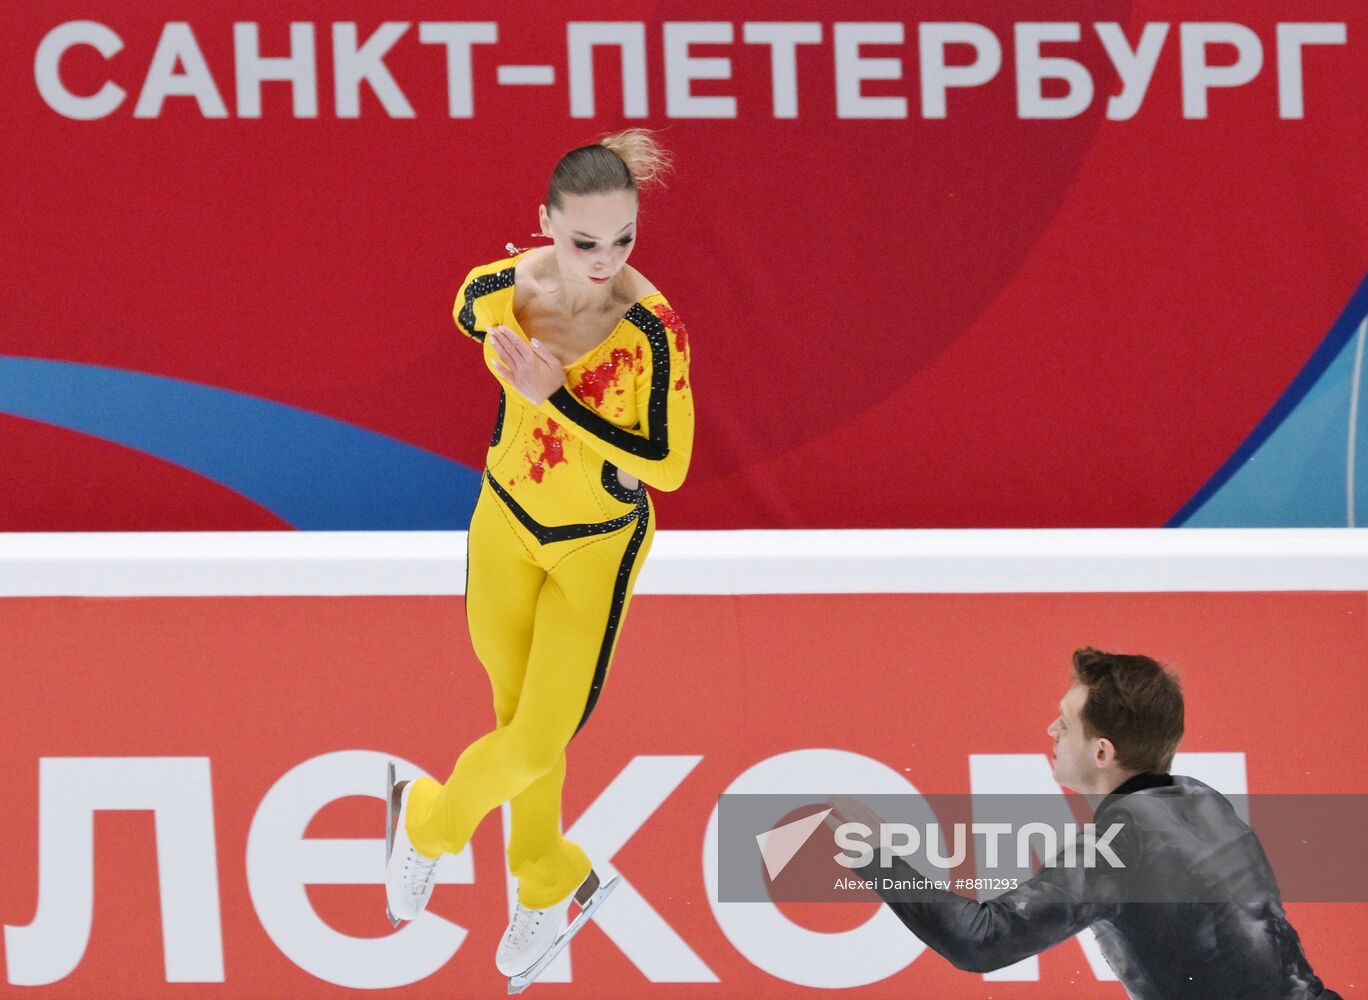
point(529, 368)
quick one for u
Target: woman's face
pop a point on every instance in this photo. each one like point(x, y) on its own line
point(593, 234)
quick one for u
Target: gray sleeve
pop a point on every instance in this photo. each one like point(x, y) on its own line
point(1049, 907)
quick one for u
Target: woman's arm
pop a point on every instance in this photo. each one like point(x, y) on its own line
point(479, 282)
point(659, 449)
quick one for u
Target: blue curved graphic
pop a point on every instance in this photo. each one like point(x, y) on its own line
point(313, 472)
point(1306, 464)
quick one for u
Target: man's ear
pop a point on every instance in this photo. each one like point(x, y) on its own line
point(1105, 753)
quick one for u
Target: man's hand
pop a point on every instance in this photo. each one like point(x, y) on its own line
point(848, 810)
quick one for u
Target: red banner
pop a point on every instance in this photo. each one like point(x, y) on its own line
point(942, 267)
point(226, 739)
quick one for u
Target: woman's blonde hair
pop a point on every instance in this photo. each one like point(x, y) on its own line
point(624, 161)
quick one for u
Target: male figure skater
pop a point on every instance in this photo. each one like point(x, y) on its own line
point(1180, 840)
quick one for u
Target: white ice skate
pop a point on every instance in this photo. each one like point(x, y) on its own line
point(536, 937)
point(409, 875)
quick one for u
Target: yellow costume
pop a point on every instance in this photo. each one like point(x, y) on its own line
point(554, 548)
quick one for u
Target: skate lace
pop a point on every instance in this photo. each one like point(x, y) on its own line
point(423, 868)
point(524, 922)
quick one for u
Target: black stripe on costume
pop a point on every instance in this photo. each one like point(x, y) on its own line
point(624, 576)
point(465, 598)
point(482, 285)
point(657, 446)
point(499, 419)
point(616, 490)
point(564, 532)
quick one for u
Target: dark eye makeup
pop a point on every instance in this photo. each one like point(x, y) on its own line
point(580, 244)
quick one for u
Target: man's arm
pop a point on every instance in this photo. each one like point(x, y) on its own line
point(978, 937)
point(1054, 904)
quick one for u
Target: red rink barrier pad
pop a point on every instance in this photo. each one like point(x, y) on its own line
point(917, 683)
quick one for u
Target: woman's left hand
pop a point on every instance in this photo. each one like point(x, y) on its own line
point(529, 368)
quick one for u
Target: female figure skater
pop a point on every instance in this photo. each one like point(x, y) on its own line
point(594, 366)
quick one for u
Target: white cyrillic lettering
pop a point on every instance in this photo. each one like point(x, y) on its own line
point(937, 78)
point(177, 44)
point(783, 38)
point(1291, 38)
point(1135, 68)
point(281, 863)
point(297, 69)
point(879, 948)
point(1199, 76)
point(351, 65)
point(48, 76)
point(1032, 69)
point(1225, 772)
point(630, 37)
point(526, 76)
point(852, 70)
point(458, 37)
point(681, 69)
point(70, 791)
point(631, 922)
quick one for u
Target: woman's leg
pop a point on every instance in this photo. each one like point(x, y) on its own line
point(579, 619)
point(503, 582)
point(579, 613)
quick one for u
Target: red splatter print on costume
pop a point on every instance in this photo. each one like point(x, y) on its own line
point(594, 384)
point(553, 450)
point(671, 319)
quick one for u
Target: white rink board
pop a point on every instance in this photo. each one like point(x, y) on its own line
point(702, 562)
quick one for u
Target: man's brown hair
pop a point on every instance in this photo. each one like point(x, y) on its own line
point(1134, 702)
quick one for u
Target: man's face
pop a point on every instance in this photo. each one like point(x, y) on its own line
point(1075, 756)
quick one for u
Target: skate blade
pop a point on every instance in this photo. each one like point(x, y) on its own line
point(520, 982)
point(391, 820)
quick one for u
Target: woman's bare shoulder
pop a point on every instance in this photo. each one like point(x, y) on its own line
point(641, 285)
point(526, 285)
